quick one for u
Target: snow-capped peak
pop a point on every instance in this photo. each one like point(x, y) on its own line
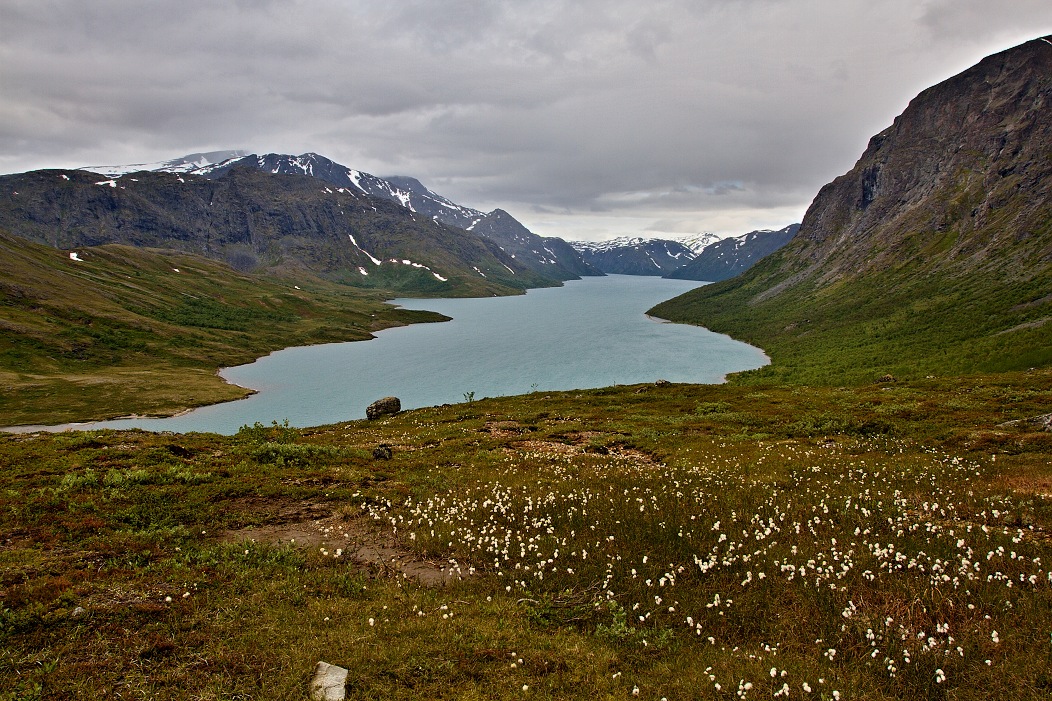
point(696, 242)
point(184, 164)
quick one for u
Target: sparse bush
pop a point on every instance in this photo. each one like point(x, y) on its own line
point(275, 433)
point(292, 454)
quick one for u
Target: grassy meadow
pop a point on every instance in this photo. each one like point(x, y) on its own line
point(762, 541)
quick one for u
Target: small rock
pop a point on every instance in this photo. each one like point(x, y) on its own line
point(79, 612)
point(1034, 423)
point(179, 451)
point(662, 383)
point(383, 407)
point(886, 378)
point(382, 452)
point(329, 683)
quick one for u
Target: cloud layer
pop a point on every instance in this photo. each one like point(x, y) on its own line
point(584, 118)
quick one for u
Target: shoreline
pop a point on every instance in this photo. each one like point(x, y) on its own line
point(99, 424)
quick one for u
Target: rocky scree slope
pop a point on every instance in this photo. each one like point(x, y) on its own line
point(932, 254)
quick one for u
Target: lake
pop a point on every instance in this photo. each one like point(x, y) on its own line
point(589, 333)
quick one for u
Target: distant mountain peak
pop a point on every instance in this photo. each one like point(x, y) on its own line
point(731, 256)
point(634, 255)
point(184, 164)
point(696, 242)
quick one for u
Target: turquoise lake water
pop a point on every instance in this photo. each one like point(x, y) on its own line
point(589, 333)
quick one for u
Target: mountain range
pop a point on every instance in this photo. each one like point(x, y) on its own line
point(933, 253)
point(732, 256)
point(257, 221)
point(705, 257)
point(634, 255)
point(547, 256)
point(278, 219)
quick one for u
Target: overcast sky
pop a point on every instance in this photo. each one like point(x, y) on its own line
point(585, 119)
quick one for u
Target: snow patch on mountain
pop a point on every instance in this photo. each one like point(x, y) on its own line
point(374, 259)
point(695, 242)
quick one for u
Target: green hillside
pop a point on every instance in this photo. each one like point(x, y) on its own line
point(129, 330)
point(908, 321)
point(933, 255)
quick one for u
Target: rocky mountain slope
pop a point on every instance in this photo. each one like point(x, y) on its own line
point(732, 256)
point(547, 256)
point(932, 254)
point(634, 256)
point(257, 220)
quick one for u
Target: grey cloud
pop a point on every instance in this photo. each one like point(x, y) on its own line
point(674, 111)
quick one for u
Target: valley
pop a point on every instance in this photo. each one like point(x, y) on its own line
point(867, 517)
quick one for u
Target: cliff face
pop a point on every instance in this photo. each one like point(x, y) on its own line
point(933, 254)
point(961, 179)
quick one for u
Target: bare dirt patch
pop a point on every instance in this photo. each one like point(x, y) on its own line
point(503, 429)
point(1037, 486)
point(545, 447)
point(316, 526)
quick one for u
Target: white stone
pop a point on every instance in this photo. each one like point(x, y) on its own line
point(329, 683)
